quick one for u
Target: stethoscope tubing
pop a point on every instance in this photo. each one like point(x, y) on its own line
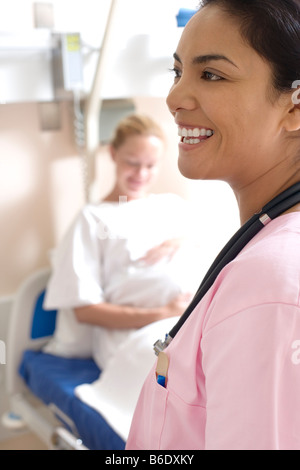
point(281, 203)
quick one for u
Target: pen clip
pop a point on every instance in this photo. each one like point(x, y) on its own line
point(162, 369)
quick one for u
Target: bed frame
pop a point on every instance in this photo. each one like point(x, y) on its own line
point(30, 327)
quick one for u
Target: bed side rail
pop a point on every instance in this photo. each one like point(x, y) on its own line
point(45, 425)
point(29, 326)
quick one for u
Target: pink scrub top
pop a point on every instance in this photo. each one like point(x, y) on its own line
point(234, 367)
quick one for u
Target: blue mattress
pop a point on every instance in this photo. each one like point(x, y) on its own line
point(53, 380)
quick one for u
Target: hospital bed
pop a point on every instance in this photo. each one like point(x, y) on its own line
point(41, 386)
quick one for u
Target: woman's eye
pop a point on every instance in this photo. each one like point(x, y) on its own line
point(176, 72)
point(212, 77)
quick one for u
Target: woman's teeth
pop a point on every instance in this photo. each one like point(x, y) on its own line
point(194, 136)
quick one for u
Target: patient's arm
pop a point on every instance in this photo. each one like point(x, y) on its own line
point(166, 249)
point(123, 316)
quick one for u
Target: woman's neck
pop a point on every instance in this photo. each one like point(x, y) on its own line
point(117, 196)
point(251, 202)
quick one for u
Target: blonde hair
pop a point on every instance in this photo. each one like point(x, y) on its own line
point(135, 124)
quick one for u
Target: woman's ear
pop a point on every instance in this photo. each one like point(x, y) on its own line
point(292, 119)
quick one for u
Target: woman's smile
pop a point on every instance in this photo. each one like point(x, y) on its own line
point(194, 135)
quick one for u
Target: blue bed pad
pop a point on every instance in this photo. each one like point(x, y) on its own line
point(53, 380)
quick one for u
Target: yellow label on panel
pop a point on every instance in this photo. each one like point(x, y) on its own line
point(73, 42)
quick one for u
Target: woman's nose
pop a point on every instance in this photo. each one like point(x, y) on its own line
point(181, 96)
point(141, 172)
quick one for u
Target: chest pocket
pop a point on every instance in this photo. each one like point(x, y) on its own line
point(169, 422)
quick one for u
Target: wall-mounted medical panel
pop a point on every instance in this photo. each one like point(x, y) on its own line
point(145, 35)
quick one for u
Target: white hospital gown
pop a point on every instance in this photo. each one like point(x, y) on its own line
point(99, 261)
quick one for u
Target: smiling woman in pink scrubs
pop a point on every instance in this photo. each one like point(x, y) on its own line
point(232, 372)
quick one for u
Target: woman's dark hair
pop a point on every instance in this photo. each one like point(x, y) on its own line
point(272, 29)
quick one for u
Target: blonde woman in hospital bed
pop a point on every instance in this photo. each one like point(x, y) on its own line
point(123, 264)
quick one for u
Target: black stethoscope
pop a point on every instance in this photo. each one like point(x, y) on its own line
point(270, 211)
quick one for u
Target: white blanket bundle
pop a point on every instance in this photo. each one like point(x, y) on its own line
point(115, 393)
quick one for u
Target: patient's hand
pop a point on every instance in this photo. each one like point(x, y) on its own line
point(178, 305)
point(167, 249)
